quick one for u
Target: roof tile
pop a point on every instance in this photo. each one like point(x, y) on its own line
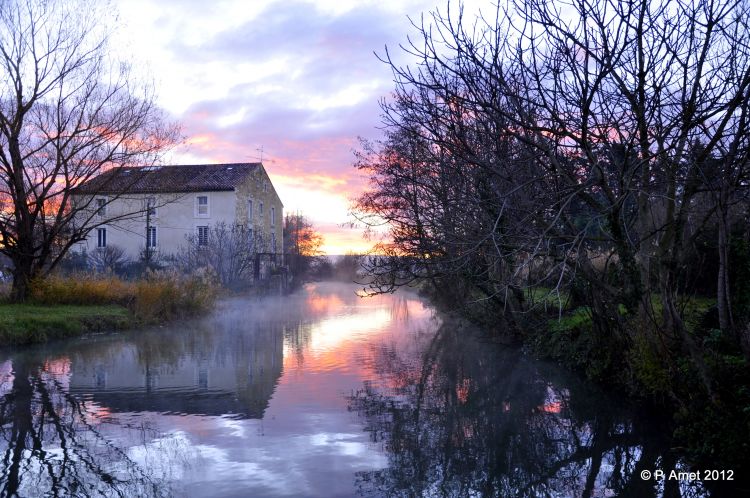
point(165, 179)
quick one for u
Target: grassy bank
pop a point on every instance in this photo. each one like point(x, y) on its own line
point(67, 306)
point(31, 323)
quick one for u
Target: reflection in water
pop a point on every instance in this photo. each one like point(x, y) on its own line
point(317, 394)
point(56, 444)
point(208, 369)
point(470, 419)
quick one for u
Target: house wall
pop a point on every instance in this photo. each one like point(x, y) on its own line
point(253, 189)
point(177, 217)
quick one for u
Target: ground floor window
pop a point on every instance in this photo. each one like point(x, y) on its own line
point(101, 237)
point(202, 235)
point(151, 237)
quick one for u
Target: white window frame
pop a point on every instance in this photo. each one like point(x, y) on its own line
point(198, 235)
point(250, 211)
point(101, 237)
point(260, 210)
point(197, 206)
point(150, 239)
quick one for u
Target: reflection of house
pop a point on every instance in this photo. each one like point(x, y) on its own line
point(159, 206)
point(237, 377)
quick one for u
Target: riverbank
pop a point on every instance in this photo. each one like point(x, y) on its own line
point(703, 397)
point(307, 381)
point(60, 307)
point(701, 392)
point(33, 323)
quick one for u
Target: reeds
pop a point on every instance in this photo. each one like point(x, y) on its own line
point(157, 296)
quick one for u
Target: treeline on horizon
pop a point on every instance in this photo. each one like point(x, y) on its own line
point(586, 161)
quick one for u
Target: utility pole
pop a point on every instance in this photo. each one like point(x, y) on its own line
point(147, 254)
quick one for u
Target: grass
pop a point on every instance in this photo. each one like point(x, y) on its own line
point(67, 306)
point(31, 323)
point(578, 317)
point(549, 299)
point(694, 308)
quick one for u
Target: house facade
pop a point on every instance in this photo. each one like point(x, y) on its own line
point(163, 208)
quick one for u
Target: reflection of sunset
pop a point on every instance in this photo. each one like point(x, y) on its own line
point(553, 403)
point(334, 332)
point(319, 304)
point(462, 390)
point(58, 367)
point(554, 407)
point(333, 341)
point(96, 413)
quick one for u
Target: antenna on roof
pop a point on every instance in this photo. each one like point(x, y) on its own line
point(260, 149)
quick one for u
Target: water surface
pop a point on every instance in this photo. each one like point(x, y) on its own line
point(321, 393)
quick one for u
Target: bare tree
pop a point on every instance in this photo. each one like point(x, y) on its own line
point(108, 259)
point(301, 245)
point(67, 113)
point(585, 143)
point(232, 252)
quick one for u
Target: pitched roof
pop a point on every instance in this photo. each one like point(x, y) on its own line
point(165, 179)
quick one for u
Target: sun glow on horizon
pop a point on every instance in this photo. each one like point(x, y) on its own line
point(233, 75)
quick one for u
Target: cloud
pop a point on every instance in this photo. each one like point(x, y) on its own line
point(297, 78)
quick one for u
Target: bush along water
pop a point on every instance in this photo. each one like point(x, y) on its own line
point(65, 306)
point(705, 394)
point(157, 296)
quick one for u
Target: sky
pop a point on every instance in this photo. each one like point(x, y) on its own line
point(298, 79)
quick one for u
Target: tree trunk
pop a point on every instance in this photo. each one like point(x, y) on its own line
point(723, 302)
point(22, 277)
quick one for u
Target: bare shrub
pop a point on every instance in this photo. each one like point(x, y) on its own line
point(232, 253)
point(108, 259)
point(160, 295)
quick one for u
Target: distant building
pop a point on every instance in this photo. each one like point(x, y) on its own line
point(158, 207)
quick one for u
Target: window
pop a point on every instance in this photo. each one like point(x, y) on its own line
point(101, 207)
point(151, 237)
point(202, 235)
point(101, 237)
point(273, 216)
point(260, 209)
point(273, 242)
point(151, 206)
point(201, 206)
point(250, 238)
point(203, 377)
point(100, 377)
point(249, 211)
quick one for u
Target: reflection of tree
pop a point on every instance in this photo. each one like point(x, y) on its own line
point(471, 420)
point(54, 443)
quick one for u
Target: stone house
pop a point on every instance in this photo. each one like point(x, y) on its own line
point(160, 207)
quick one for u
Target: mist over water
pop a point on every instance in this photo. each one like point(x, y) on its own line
point(321, 393)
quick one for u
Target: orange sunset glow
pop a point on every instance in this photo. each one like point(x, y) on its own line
point(334, 340)
point(292, 83)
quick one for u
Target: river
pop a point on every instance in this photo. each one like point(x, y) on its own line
point(317, 394)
